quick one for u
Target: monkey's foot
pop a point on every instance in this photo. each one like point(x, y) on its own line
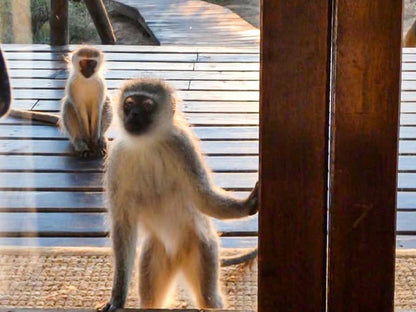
point(82, 148)
point(108, 307)
point(101, 147)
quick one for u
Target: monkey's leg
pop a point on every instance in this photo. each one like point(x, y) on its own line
point(124, 237)
point(157, 271)
point(201, 270)
point(106, 118)
point(74, 129)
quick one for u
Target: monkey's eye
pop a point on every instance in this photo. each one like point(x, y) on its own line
point(148, 105)
point(128, 104)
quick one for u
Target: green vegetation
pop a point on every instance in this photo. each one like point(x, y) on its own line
point(81, 27)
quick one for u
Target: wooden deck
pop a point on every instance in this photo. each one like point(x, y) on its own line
point(50, 198)
point(190, 22)
point(56, 199)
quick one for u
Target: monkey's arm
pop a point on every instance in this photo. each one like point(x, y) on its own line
point(37, 116)
point(209, 198)
point(5, 92)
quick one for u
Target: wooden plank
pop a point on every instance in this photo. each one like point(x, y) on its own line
point(231, 57)
point(364, 155)
point(51, 132)
point(128, 66)
point(184, 106)
point(408, 119)
point(406, 200)
point(206, 119)
point(88, 224)
point(243, 85)
point(184, 94)
point(109, 56)
point(225, 242)
point(407, 107)
point(134, 48)
point(31, 201)
point(293, 155)
point(408, 96)
point(135, 65)
point(228, 66)
point(406, 181)
point(62, 147)
point(130, 74)
point(408, 86)
point(407, 147)
point(405, 242)
point(38, 83)
point(408, 163)
point(406, 75)
point(406, 223)
point(225, 85)
point(92, 181)
point(51, 201)
point(74, 164)
point(407, 133)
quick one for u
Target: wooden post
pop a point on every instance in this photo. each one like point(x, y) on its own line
point(293, 153)
point(21, 9)
point(102, 23)
point(364, 155)
point(59, 22)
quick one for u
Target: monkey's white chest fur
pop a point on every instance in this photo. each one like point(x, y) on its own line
point(88, 96)
point(87, 91)
point(148, 184)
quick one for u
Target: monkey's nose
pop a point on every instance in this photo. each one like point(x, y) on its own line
point(135, 113)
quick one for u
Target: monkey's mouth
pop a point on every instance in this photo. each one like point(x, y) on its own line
point(87, 72)
point(136, 128)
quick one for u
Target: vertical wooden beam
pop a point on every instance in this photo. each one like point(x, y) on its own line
point(364, 155)
point(101, 21)
point(293, 154)
point(22, 22)
point(59, 22)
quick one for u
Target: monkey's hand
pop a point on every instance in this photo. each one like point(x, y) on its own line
point(252, 201)
point(108, 307)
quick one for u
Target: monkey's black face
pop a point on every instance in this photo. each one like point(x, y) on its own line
point(139, 112)
point(87, 67)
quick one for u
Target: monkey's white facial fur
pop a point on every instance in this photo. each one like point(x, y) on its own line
point(146, 107)
point(87, 61)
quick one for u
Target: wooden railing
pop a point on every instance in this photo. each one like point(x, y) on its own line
point(59, 22)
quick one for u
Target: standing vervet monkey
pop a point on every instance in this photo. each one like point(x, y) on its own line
point(5, 92)
point(85, 112)
point(156, 181)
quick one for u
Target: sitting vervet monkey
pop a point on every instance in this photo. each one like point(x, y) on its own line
point(86, 112)
point(156, 181)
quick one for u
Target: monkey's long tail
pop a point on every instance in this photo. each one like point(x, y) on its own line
point(38, 116)
point(244, 258)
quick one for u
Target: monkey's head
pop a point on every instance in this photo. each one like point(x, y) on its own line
point(146, 106)
point(87, 60)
